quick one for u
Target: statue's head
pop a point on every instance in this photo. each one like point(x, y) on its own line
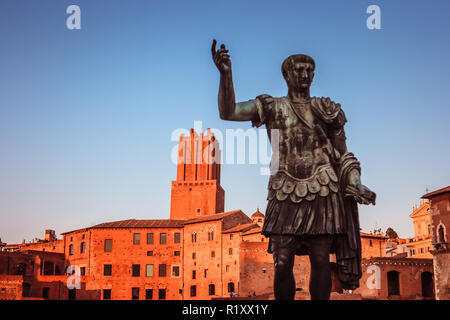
point(298, 71)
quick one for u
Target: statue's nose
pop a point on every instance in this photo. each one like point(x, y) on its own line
point(304, 74)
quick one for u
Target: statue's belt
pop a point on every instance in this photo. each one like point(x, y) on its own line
point(283, 185)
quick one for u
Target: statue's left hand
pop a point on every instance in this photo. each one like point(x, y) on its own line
point(361, 193)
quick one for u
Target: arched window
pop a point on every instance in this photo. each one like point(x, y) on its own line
point(194, 237)
point(83, 247)
point(441, 234)
point(230, 286)
point(212, 289)
point(210, 235)
point(71, 249)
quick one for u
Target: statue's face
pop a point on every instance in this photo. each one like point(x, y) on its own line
point(300, 75)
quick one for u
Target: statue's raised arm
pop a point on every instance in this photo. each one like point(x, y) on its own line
point(228, 108)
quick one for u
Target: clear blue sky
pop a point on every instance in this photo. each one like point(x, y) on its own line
point(86, 115)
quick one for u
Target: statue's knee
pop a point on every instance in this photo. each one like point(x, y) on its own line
point(320, 260)
point(282, 264)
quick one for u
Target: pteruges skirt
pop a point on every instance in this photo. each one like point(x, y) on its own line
point(293, 225)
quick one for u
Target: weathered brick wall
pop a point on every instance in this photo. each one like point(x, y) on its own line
point(231, 262)
point(440, 217)
point(410, 282)
point(10, 287)
point(204, 259)
point(187, 197)
point(441, 262)
point(257, 271)
point(51, 246)
point(372, 247)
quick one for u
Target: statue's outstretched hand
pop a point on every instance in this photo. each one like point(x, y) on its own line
point(362, 194)
point(221, 57)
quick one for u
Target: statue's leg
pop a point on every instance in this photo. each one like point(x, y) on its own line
point(319, 256)
point(284, 282)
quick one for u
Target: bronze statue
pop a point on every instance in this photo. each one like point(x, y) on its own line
point(312, 199)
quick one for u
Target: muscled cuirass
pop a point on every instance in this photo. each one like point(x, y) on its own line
point(304, 153)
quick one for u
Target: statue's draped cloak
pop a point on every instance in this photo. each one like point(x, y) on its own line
point(306, 187)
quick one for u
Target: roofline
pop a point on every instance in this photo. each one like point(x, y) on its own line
point(201, 219)
point(368, 235)
point(436, 192)
point(212, 217)
point(99, 226)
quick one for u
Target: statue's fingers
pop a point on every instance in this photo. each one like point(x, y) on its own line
point(224, 55)
point(213, 47)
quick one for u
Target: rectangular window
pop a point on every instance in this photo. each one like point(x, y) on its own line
point(148, 294)
point(136, 238)
point(149, 270)
point(149, 238)
point(135, 293)
point(230, 251)
point(107, 269)
point(108, 245)
point(162, 294)
point(136, 270)
point(227, 268)
point(71, 249)
point(205, 273)
point(106, 294)
point(212, 289)
point(82, 271)
point(193, 291)
point(162, 238)
point(176, 253)
point(162, 270)
point(177, 237)
point(149, 253)
point(193, 255)
point(175, 271)
point(213, 254)
point(193, 274)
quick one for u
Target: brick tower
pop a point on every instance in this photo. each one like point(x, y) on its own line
point(197, 191)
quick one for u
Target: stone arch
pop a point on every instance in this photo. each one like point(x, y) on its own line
point(441, 233)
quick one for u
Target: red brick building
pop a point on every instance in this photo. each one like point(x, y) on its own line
point(201, 252)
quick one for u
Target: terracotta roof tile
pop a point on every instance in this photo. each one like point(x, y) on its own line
point(133, 223)
point(213, 217)
point(242, 227)
point(253, 231)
